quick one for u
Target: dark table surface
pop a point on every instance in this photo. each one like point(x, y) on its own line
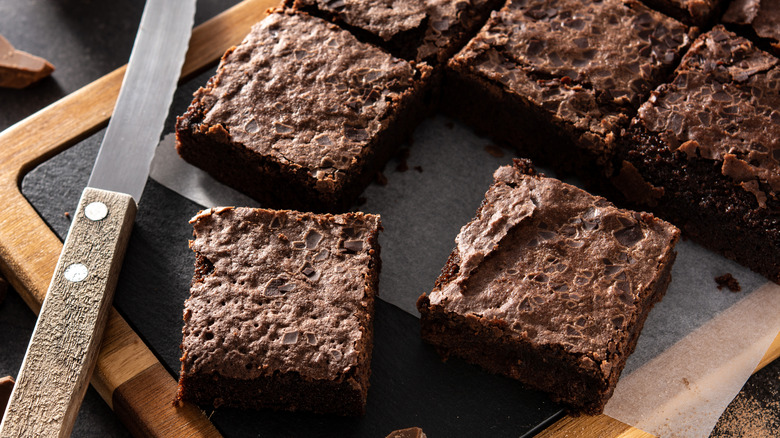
point(86, 39)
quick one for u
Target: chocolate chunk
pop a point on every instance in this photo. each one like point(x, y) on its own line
point(20, 69)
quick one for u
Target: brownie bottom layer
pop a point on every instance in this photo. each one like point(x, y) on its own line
point(287, 392)
point(693, 194)
point(573, 379)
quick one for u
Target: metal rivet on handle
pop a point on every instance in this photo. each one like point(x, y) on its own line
point(96, 211)
point(76, 272)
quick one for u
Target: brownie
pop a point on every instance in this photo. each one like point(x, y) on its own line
point(551, 286)
point(558, 79)
point(280, 313)
point(757, 19)
point(703, 151)
point(302, 115)
point(421, 30)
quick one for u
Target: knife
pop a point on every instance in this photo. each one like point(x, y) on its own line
point(64, 345)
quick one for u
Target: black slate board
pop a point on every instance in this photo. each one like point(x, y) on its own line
point(410, 385)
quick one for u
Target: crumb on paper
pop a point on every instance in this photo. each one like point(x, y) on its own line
point(728, 280)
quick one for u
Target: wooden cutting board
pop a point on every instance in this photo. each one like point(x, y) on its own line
point(128, 375)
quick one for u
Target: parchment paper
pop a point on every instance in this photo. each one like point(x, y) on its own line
point(698, 346)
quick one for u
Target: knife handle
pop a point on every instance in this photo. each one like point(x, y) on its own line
point(64, 345)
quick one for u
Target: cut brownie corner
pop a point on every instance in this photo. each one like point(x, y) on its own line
point(551, 286)
point(281, 308)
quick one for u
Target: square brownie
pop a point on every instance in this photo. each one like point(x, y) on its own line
point(549, 285)
point(421, 30)
point(280, 313)
point(302, 115)
point(558, 79)
point(758, 20)
point(704, 151)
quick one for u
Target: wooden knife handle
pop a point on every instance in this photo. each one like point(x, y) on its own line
point(64, 345)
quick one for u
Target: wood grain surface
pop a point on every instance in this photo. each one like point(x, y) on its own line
point(127, 375)
point(64, 345)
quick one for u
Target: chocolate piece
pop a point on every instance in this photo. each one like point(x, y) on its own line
point(559, 79)
point(20, 69)
point(757, 19)
point(421, 30)
point(549, 285)
point(272, 324)
point(728, 280)
point(301, 114)
point(6, 387)
point(710, 141)
point(412, 432)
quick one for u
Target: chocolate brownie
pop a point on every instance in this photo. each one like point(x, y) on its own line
point(549, 285)
point(757, 19)
point(280, 313)
point(558, 79)
point(703, 151)
point(422, 30)
point(302, 115)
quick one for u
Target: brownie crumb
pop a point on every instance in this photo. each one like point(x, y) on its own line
point(494, 150)
point(418, 169)
point(728, 280)
point(403, 165)
point(381, 179)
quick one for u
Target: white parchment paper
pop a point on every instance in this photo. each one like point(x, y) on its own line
point(698, 346)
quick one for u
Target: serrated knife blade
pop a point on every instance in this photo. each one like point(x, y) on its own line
point(64, 345)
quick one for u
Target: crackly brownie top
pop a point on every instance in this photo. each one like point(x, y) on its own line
point(278, 291)
point(762, 15)
point(305, 92)
point(724, 104)
point(557, 265)
point(587, 63)
point(436, 19)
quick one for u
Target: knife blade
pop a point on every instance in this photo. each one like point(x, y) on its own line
point(63, 349)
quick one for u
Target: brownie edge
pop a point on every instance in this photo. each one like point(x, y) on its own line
point(281, 308)
point(551, 286)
